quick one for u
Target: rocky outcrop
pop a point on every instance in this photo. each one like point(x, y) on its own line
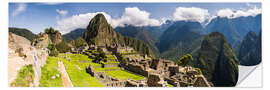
point(218, 61)
point(21, 53)
point(42, 41)
point(250, 50)
point(100, 33)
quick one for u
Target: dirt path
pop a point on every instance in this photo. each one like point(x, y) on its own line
point(65, 78)
point(14, 65)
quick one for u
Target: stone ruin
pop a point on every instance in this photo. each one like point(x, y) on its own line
point(158, 73)
point(106, 79)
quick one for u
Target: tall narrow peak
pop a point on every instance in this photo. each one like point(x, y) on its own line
point(100, 33)
point(218, 61)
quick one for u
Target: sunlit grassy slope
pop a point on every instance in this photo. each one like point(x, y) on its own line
point(77, 73)
point(49, 70)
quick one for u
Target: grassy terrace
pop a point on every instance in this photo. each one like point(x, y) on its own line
point(76, 60)
point(77, 73)
point(123, 75)
point(49, 70)
point(25, 77)
point(109, 62)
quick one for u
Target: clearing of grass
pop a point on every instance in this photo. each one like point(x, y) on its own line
point(50, 77)
point(77, 72)
point(123, 75)
point(25, 77)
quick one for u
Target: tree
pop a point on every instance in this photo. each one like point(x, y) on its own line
point(53, 50)
point(63, 47)
point(184, 60)
point(80, 42)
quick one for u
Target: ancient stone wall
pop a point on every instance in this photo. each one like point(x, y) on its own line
point(137, 69)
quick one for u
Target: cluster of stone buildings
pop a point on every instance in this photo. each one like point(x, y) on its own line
point(158, 73)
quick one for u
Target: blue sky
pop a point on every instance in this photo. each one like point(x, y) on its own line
point(38, 16)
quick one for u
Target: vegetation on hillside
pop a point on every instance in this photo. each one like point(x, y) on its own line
point(73, 35)
point(79, 42)
point(23, 32)
point(63, 47)
point(184, 60)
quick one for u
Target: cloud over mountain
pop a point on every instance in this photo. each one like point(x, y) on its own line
point(78, 21)
point(190, 14)
point(131, 16)
point(137, 17)
point(229, 13)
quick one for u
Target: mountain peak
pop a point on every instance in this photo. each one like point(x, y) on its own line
point(99, 18)
point(217, 60)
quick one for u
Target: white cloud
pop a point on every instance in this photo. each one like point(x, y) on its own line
point(229, 13)
point(21, 7)
point(62, 12)
point(190, 14)
point(78, 21)
point(131, 16)
point(136, 17)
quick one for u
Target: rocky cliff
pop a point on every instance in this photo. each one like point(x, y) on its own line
point(100, 33)
point(22, 53)
point(250, 50)
point(218, 61)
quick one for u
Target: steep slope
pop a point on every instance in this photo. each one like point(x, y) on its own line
point(218, 61)
point(180, 38)
point(23, 32)
point(234, 29)
point(100, 33)
point(250, 50)
point(73, 35)
point(139, 33)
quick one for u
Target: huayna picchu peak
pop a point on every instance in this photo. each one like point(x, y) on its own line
point(100, 33)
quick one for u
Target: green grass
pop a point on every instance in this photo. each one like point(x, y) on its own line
point(49, 70)
point(80, 78)
point(170, 85)
point(112, 62)
point(25, 77)
point(123, 75)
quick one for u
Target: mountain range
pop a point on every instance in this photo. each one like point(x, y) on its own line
point(218, 48)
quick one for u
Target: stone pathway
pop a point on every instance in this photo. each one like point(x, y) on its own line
point(65, 78)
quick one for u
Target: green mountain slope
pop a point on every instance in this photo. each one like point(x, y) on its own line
point(218, 61)
point(23, 32)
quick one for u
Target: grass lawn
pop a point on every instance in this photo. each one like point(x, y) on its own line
point(80, 78)
point(49, 70)
point(123, 75)
point(25, 77)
